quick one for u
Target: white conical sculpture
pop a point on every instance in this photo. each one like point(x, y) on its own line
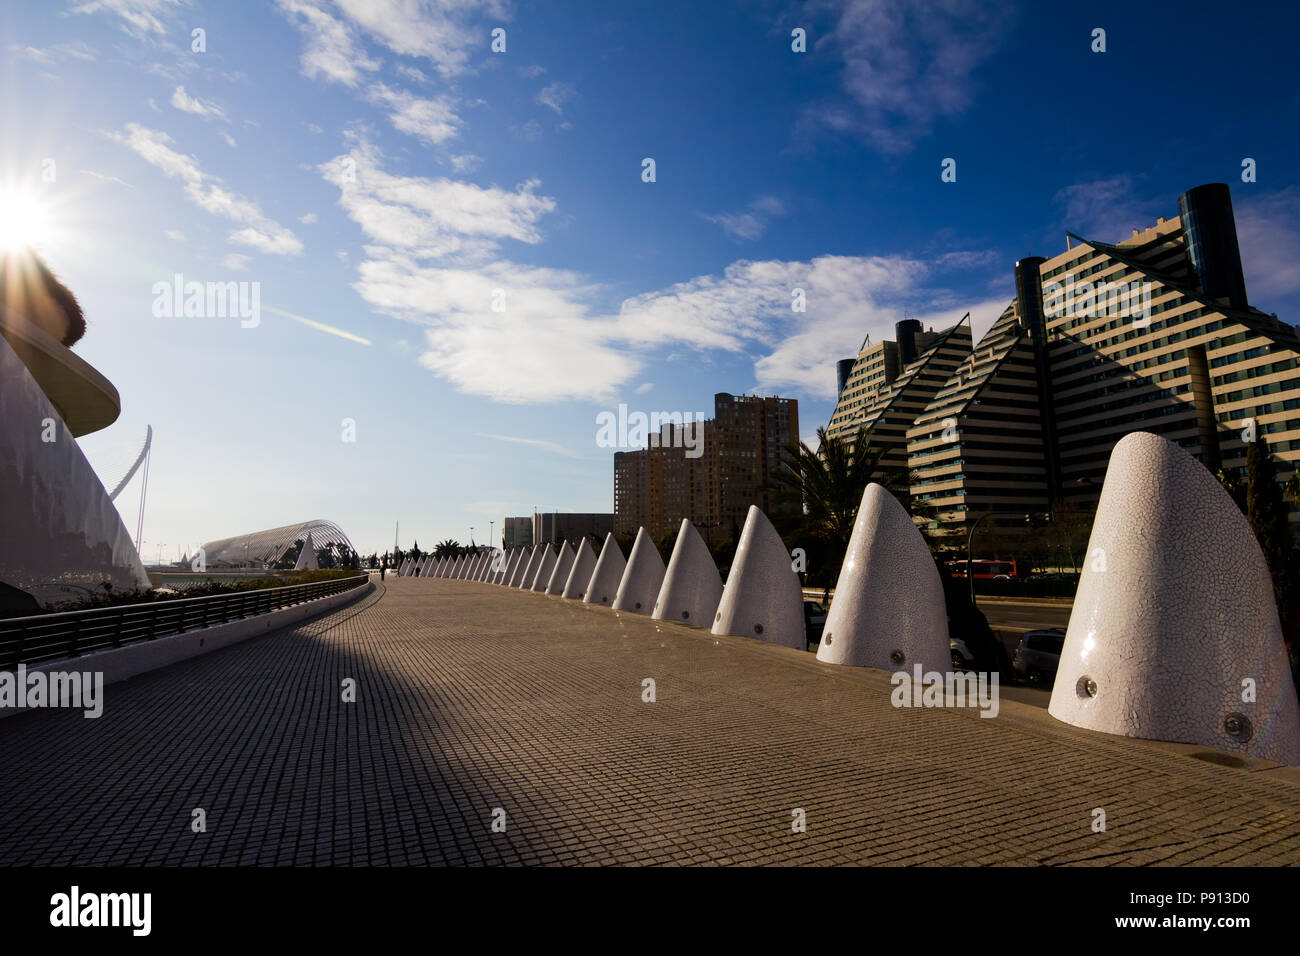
point(642, 577)
point(491, 565)
point(889, 610)
point(584, 562)
point(508, 568)
point(471, 562)
point(544, 569)
point(605, 578)
point(692, 586)
point(307, 556)
point(763, 597)
point(401, 568)
point(517, 557)
point(1174, 634)
point(527, 569)
point(436, 570)
point(426, 569)
point(458, 567)
point(484, 565)
point(560, 573)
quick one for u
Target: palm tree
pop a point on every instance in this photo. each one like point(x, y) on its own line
point(817, 493)
point(447, 549)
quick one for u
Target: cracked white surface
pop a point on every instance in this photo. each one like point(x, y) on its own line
point(584, 562)
point(763, 598)
point(603, 586)
point(692, 586)
point(1174, 611)
point(889, 609)
point(641, 578)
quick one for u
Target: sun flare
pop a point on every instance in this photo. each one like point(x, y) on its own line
point(24, 220)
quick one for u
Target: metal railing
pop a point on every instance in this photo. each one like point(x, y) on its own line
point(49, 637)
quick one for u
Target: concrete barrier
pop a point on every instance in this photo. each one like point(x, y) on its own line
point(889, 610)
point(639, 587)
point(605, 577)
point(122, 663)
point(691, 587)
point(584, 562)
point(763, 598)
point(1174, 634)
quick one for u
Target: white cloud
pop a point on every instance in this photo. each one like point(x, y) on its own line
point(434, 258)
point(432, 218)
point(237, 261)
point(532, 442)
point(192, 104)
point(1270, 244)
point(175, 235)
point(77, 50)
point(139, 17)
point(753, 221)
point(314, 129)
point(555, 95)
point(436, 30)
point(332, 52)
point(105, 177)
point(529, 132)
point(432, 120)
point(465, 162)
point(230, 140)
point(531, 72)
point(308, 219)
point(644, 388)
point(1105, 209)
point(262, 232)
point(905, 65)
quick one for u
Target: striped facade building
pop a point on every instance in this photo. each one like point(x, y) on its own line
point(1154, 333)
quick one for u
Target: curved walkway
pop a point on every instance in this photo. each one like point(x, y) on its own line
point(472, 699)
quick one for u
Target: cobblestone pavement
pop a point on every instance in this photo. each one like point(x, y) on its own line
point(470, 698)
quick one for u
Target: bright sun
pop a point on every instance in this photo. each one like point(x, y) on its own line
point(24, 220)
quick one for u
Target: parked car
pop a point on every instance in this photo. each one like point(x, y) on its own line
point(814, 620)
point(963, 658)
point(1038, 654)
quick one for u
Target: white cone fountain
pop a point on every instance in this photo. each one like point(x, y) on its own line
point(642, 577)
point(544, 569)
point(763, 597)
point(692, 586)
point(307, 556)
point(888, 610)
point(1174, 634)
point(527, 569)
point(560, 573)
point(605, 577)
point(584, 562)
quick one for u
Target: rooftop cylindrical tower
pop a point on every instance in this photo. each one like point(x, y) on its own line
point(905, 333)
point(1211, 236)
point(843, 369)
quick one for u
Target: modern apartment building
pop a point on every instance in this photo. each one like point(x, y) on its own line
point(891, 383)
point(1154, 333)
point(709, 472)
point(556, 526)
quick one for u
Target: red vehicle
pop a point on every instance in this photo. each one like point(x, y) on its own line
point(985, 569)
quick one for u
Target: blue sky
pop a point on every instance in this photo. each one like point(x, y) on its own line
point(380, 172)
